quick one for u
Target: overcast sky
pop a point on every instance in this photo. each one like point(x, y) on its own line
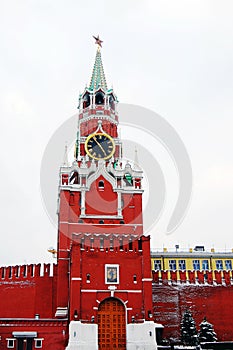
point(172, 56)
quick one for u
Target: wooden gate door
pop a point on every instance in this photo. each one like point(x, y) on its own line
point(111, 325)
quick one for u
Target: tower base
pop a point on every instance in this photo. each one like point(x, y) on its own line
point(140, 336)
point(82, 336)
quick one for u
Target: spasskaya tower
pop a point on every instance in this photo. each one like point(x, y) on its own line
point(104, 282)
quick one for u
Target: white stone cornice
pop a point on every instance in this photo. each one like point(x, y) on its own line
point(89, 216)
point(110, 118)
point(71, 187)
point(107, 290)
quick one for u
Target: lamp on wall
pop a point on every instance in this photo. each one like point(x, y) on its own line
point(150, 314)
point(75, 315)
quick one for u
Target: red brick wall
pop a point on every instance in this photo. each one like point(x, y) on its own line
point(100, 202)
point(213, 301)
point(25, 296)
point(54, 332)
point(131, 262)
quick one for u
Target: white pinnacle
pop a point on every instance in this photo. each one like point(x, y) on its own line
point(65, 159)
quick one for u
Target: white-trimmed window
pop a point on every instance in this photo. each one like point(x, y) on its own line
point(172, 265)
point(228, 264)
point(10, 343)
point(205, 265)
point(157, 265)
point(182, 265)
point(196, 264)
point(101, 185)
point(112, 274)
point(38, 343)
point(219, 265)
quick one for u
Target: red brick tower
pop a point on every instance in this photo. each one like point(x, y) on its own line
point(104, 273)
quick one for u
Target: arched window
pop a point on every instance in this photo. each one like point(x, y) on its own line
point(139, 244)
point(86, 101)
point(101, 185)
point(111, 243)
point(128, 179)
point(121, 244)
point(24, 271)
point(112, 102)
point(17, 271)
point(130, 244)
point(99, 98)
point(101, 243)
point(74, 179)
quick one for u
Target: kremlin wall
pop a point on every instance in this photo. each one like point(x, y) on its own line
point(28, 292)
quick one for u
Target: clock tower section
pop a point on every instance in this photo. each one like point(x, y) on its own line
point(104, 284)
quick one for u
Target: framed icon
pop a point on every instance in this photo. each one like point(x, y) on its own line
point(112, 274)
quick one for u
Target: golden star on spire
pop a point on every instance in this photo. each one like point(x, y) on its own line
point(98, 41)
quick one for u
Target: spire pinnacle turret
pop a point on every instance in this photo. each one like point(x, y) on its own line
point(136, 156)
point(65, 159)
point(98, 77)
point(136, 162)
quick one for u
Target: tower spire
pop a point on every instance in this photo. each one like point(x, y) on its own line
point(136, 161)
point(98, 77)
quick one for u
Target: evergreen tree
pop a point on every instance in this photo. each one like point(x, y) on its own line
point(207, 333)
point(188, 329)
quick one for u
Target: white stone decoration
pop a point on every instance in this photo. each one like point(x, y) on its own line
point(82, 336)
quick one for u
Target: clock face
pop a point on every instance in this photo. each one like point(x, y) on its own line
point(99, 146)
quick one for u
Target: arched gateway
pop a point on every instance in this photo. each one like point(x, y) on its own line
point(111, 324)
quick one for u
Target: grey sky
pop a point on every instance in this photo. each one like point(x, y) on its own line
point(174, 57)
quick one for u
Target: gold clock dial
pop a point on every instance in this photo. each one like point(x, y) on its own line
point(100, 146)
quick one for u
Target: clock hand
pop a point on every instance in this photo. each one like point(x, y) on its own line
point(100, 146)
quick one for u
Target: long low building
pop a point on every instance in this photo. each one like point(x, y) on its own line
point(192, 259)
